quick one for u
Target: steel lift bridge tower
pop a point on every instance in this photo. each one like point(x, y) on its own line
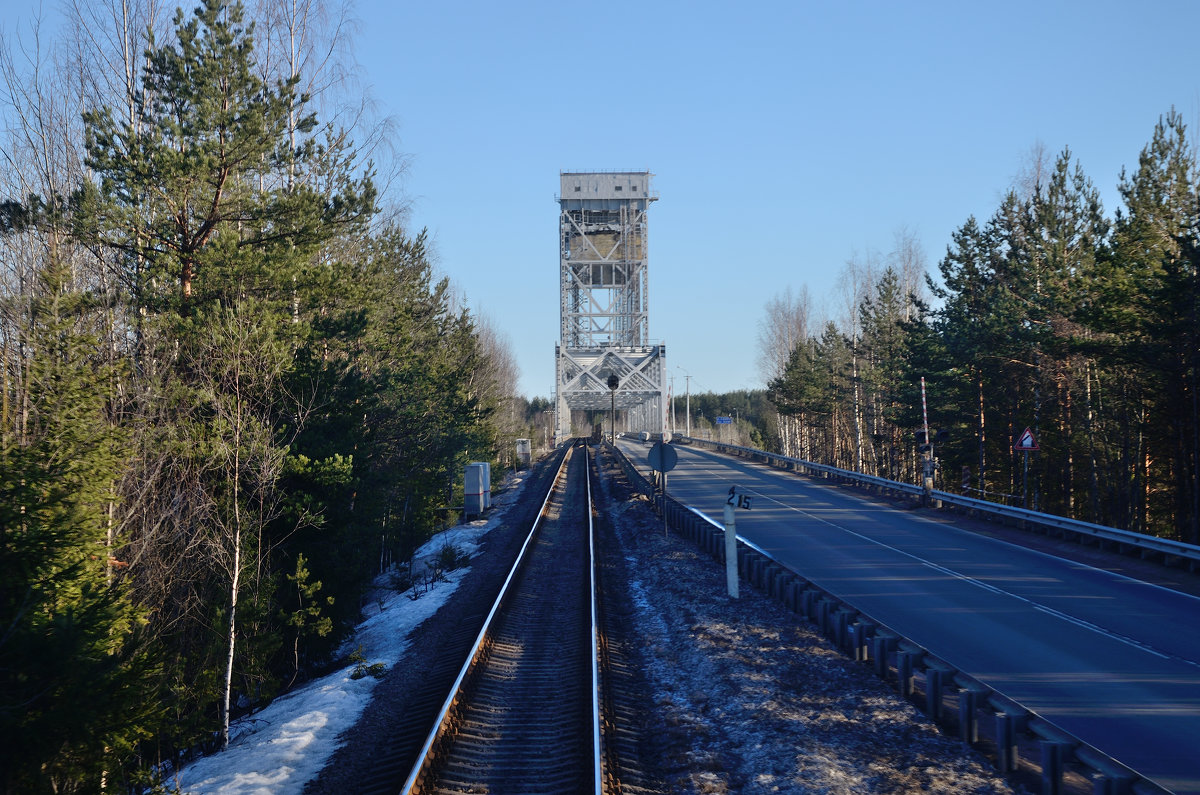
point(604, 304)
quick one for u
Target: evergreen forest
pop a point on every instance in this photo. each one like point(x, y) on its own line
point(234, 388)
point(1051, 316)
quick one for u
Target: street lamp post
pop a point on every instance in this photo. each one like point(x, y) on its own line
point(674, 426)
point(687, 386)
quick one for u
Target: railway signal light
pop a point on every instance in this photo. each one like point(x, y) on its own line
point(613, 383)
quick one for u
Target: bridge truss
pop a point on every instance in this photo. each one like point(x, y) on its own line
point(604, 304)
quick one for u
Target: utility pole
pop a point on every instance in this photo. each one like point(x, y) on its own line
point(687, 385)
point(674, 429)
point(929, 462)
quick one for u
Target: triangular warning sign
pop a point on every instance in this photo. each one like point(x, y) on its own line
point(1026, 442)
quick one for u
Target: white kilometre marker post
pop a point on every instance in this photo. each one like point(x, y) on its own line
point(736, 500)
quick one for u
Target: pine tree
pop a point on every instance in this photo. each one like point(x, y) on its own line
point(882, 318)
point(1145, 308)
point(220, 196)
point(390, 364)
point(424, 415)
point(967, 292)
point(72, 660)
point(1066, 233)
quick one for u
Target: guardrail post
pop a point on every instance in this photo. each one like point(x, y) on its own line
point(882, 647)
point(841, 626)
point(794, 590)
point(828, 607)
point(761, 573)
point(810, 605)
point(904, 672)
point(933, 694)
point(968, 725)
point(860, 634)
point(772, 580)
point(1053, 756)
point(1007, 753)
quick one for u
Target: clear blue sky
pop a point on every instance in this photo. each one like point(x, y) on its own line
point(785, 137)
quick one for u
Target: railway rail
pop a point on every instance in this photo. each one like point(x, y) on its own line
point(524, 714)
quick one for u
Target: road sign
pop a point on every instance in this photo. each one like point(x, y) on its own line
point(662, 457)
point(1026, 443)
point(724, 420)
point(737, 499)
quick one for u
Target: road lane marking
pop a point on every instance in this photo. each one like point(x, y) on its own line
point(1082, 623)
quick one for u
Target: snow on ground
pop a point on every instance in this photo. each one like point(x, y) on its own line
point(279, 749)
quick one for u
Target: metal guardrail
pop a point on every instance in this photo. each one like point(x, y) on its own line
point(866, 640)
point(1187, 555)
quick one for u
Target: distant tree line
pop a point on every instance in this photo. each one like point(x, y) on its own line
point(1049, 315)
point(232, 387)
point(748, 410)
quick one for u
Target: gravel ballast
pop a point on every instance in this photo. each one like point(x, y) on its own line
point(743, 696)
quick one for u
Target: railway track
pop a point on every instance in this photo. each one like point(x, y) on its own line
point(524, 712)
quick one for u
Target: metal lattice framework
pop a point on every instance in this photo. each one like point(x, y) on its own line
point(604, 301)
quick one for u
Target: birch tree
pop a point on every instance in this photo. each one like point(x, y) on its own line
point(784, 326)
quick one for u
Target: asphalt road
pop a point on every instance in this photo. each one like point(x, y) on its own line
point(1112, 660)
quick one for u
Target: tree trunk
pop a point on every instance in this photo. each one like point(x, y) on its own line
point(235, 582)
point(1068, 449)
point(1090, 427)
point(858, 429)
point(982, 438)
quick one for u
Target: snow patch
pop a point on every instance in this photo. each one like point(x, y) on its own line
point(279, 749)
